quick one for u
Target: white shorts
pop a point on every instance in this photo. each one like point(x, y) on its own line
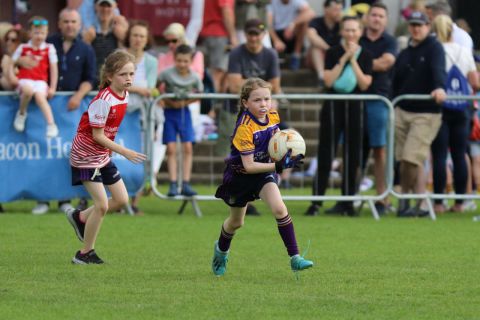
point(36, 85)
point(474, 149)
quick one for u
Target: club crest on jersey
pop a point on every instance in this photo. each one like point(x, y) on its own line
point(256, 138)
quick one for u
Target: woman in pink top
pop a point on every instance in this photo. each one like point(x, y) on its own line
point(175, 36)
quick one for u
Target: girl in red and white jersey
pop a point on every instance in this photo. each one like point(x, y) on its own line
point(91, 151)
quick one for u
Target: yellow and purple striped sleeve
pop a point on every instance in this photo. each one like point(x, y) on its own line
point(243, 139)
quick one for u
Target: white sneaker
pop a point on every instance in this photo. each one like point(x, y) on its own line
point(366, 184)
point(40, 208)
point(52, 130)
point(19, 122)
point(469, 205)
point(66, 207)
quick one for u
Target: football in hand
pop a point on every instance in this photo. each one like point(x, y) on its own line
point(284, 140)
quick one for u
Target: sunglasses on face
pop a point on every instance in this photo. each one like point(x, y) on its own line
point(40, 22)
point(172, 40)
point(11, 39)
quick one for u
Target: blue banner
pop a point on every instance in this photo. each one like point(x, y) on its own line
point(33, 166)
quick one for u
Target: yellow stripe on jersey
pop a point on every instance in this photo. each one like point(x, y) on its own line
point(243, 139)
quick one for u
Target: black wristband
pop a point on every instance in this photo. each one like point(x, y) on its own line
point(278, 167)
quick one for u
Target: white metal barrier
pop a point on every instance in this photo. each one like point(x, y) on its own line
point(291, 97)
point(429, 196)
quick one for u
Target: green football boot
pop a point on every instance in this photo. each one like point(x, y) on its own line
point(219, 261)
point(299, 263)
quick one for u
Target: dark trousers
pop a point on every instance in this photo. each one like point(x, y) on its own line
point(339, 117)
point(453, 134)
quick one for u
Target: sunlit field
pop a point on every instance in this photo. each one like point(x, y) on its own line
point(158, 266)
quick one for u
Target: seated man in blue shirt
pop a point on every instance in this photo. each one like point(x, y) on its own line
point(76, 71)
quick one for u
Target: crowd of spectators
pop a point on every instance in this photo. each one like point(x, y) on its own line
point(230, 41)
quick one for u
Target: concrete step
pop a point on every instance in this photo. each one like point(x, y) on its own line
point(301, 111)
point(301, 89)
point(299, 78)
point(308, 129)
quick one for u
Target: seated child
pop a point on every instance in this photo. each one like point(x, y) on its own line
point(33, 82)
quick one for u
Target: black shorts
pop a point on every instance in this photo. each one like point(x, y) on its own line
point(243, 188)
point(289, 44)
point(107, 175)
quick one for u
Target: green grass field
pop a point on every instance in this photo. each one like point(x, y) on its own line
point(158, 267)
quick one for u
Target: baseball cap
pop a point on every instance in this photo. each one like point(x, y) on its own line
point(110, 2)
point(254, 25)
point(418, 17)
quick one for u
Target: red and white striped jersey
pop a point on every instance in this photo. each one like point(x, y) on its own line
point(106, 111)
point(45, 55)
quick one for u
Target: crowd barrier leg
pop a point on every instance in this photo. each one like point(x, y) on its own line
point(374, 211)
point(431, 212)
point(196, 207)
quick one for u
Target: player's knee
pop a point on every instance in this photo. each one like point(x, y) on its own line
point(279, 211)
point(122, 201)
point(236, 224)
point(102, 208)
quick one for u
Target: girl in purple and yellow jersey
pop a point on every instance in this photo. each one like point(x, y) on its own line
point(251, 175)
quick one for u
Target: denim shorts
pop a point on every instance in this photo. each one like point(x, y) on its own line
point(376, 112)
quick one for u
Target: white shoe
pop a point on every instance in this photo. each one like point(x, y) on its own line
point(469, 205)
point(40, 208)
point(19, 122)
point(65, 207)
point(52, 130)
point(366, 184)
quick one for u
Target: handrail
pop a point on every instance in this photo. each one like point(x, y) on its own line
point(429, 196)
point(360, 97)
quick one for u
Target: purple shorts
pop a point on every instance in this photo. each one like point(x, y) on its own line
point(239, 189)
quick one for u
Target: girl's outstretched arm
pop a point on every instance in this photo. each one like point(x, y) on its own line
point(100, 138)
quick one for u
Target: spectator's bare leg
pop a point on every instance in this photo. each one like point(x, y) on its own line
point(476, 172)
point(25, 97)
point(44, 106)
point(421, 185)
point(300, 32)
point(172, 160)
point(379, 156)
point(408, 176)
point(219, 80)
point(318, 61)
point(469, 174)
point(187, 160)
